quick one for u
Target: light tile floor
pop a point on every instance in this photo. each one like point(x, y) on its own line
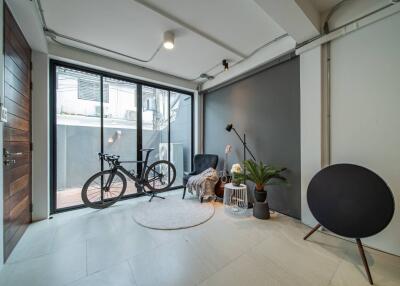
point(90, 247)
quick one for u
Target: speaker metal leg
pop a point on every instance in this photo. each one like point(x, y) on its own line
point(360, 249)
point(364, 260)
point(312, 231)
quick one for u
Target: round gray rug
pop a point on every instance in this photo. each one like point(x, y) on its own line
point(172, 213)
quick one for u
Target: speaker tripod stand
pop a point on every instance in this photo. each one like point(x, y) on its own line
point(360, 249)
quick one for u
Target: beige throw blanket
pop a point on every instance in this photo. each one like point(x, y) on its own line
point(203, 184)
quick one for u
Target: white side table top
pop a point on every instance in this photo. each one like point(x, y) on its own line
point(232, 187)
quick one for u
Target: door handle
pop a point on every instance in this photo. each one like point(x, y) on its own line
point(9, 162)
point(9, 154)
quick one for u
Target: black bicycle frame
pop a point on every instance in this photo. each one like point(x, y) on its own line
point(117, 167)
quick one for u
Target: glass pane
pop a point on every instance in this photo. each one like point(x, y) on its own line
point(78, 126)
point(120, 125)
point(155, 122)
point(181, 136)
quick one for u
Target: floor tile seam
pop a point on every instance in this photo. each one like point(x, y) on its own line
point(334, 272)
point(222, 268)
point(132, 272)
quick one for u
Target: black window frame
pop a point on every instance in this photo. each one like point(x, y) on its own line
point(53, 64)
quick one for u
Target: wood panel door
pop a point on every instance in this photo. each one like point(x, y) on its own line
point(16, 133)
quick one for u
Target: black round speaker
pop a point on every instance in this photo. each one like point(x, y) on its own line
point(350, 200)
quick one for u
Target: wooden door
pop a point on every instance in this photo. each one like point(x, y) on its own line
point(16, 133)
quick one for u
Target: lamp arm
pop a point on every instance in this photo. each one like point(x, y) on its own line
point(244, 144)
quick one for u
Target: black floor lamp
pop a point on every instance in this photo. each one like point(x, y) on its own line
point(230, 127)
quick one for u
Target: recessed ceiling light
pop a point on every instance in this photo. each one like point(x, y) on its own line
point(169, 39)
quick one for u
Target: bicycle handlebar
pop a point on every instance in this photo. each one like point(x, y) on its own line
point(108, 158)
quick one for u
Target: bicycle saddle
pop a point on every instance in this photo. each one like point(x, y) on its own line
point(146, 150)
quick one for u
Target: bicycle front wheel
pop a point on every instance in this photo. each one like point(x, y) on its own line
point(160, 176)
point(102, 191)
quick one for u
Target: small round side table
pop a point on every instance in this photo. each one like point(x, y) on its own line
point(235, 197)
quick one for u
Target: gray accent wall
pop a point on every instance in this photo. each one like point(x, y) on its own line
point(265, 106)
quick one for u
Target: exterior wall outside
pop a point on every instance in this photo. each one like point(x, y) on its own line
point(77, 147)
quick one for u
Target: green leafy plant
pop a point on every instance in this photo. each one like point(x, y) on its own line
point(262, 175)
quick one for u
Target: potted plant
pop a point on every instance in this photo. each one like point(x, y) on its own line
point(262, 175)
point(237, 175)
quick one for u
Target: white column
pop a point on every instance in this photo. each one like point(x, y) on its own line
point(40, 136)
point(310, 117)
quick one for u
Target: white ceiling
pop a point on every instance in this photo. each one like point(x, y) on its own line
point(325, 5)
point(131, 28)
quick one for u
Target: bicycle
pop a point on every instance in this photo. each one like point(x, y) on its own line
point(105, 188)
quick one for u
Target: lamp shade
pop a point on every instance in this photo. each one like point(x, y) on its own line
point(229, 127)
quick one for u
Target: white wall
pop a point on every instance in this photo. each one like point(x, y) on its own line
point(365, 117)
point(365, 104)
point(40, 136)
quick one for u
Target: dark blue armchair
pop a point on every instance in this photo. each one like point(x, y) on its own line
point(201, 162)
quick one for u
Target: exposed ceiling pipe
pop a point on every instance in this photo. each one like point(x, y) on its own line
point(331, 12)
point(238, 62)
point(206, 76)
point(340, 4)
point(190, 28)
point(54, 35)
point(351, 26)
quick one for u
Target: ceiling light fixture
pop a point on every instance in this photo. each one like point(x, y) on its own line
point(206, 76)
point(169, 40)
point(225, 64)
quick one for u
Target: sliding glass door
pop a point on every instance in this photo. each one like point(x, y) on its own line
point(120, 123)
point(155, 122)
point(78, 130)
point(180, 133)
point(167, 119)
point(97, 112)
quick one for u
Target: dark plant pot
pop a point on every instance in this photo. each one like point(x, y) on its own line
point(236, 183)
point(261, 210)
point(260, 207)
point(260, 196)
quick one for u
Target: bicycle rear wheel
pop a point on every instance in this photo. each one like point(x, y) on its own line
point(160, 176)
point(96, 194)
